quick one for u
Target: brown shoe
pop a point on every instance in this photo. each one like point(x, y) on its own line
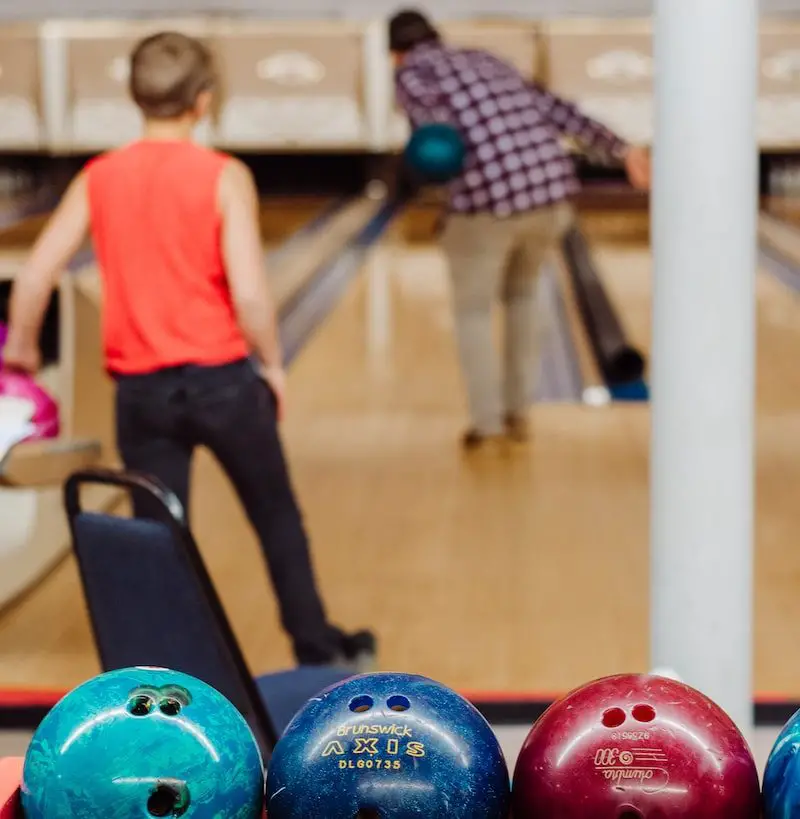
point(517, 427)
point(473, 439)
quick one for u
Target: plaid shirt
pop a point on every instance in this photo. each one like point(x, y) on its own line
point(513, 128)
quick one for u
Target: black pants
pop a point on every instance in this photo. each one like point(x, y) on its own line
point(230, 409)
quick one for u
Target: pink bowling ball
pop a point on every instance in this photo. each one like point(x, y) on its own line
point(45, 418)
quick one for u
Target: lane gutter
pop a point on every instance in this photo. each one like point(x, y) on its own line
point(776, 261)
point(621, 365)
point(302, 314)
point(560, 379)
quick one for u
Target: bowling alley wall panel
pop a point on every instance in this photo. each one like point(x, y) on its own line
point(326, 85)
point(606, 67)
point(285, 82)
point(21, 88)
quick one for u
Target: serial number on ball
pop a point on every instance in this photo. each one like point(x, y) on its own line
point(634, 735)
point(367, 764)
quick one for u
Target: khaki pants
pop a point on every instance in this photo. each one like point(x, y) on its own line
point(490, 258)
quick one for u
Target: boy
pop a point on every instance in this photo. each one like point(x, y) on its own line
point(507, 210)
point(175, 228)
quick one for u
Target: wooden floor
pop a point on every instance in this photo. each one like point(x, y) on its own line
point(525, 572)
point(784, 207)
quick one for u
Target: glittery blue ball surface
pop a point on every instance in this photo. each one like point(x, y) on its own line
point(398, 745)
point(781, 783)
point(143, 742)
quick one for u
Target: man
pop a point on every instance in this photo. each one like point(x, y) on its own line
point(186, 310)
point(507, 210)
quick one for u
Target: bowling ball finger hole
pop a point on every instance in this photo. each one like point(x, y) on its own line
point(644, 713)
point(168, 800)
point(613, 717)
point(398, 703)
point(170, 707)
point(140, 706)
point(177, 692)
point(359, 705)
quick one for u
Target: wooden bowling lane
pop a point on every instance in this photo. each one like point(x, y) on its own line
point(786, 208)
point(625, 264)
point(779, 227)
point(485, 572)
point(283, 215)
point(458, 563)
point(523, 572)
point(288, 275)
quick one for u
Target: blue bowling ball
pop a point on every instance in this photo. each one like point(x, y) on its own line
point(143, 742)
point(781, 783)
point(436, 153)
point(393, 746)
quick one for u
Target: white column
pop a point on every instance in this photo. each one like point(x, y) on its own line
point(378, 85)
point(55, 78)
point(705, 201)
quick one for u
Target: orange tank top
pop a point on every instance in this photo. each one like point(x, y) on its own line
point(156, 230)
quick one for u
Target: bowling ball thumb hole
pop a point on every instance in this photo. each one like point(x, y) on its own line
point(169, 798)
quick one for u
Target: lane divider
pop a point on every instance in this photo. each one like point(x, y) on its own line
point(560, 379)
point(621, 364)
point(775, 259)
point(304, 313)
point(785, 270)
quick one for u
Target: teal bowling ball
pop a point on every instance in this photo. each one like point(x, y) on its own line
point(139, 743)
point(436, 153)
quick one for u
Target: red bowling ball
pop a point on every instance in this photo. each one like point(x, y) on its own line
point(635, 746)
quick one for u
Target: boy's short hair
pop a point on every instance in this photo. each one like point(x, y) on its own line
point(410, 28)
point(168, 72)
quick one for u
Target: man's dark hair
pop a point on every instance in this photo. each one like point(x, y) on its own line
point(408, 29)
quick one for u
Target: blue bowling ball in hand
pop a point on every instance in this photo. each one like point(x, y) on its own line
point(435, 153)
point(139, 743)
point(393, 746)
